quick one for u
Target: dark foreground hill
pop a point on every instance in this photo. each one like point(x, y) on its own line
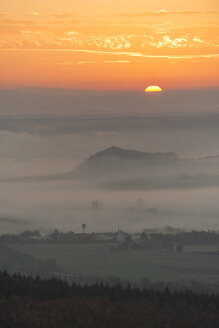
point(35, 303)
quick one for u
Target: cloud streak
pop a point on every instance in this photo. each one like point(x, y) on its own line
point(159, 13)
point(3, 14)
point(117, 53)
point(62, 15)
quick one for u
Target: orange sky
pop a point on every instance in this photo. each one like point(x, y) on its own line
point(107, 44)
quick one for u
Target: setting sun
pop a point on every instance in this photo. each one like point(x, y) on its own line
point(72, 44)
point(153, 88)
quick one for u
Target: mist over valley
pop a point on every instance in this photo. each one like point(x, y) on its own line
point(56, 162)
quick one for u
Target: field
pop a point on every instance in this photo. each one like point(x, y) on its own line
point(97, 259)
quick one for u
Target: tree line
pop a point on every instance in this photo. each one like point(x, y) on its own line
point(39, 303)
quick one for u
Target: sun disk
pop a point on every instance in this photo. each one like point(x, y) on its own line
point(153, 88)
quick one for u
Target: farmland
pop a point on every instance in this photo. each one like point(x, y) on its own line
point(97, 259)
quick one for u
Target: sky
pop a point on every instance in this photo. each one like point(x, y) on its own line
point(110, 45)
point(89, 63)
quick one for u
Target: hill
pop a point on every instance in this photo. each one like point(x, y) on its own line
point(124, 169)
point(115, 161)
point(127, 154)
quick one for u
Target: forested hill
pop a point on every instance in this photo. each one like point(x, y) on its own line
point(32, 302)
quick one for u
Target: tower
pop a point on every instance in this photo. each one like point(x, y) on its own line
point(83, 227)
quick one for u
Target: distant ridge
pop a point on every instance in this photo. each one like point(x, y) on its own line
point(116, 161)
point(128, 154)
point(115, 168)
point(113, 160)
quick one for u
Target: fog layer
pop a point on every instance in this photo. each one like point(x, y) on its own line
point(46, 133)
